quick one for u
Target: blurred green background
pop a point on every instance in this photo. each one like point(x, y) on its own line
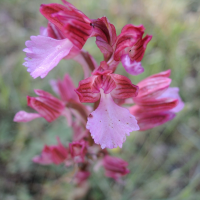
point(164, 161)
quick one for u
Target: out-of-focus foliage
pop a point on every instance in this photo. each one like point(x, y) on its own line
point(164, 162)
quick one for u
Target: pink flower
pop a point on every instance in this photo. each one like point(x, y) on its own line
point(65, 89)
point(156, 102)
point(46, 105)
point(129, 46)
point(81, 176)
point(115, 167)
point(68, 30)
point(55, 154)
point(78, 150)
point(130, 42)
point(109, 123)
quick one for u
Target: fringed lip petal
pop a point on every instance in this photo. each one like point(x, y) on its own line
point(109, 123)
point(44, 53)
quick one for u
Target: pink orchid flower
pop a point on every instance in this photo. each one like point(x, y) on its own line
point(67, 32)
point(109, 123)
point(129, 46)
point(47, 106)
point(78, 150)
point(55, 154)
point(115, 167)
point(156, 102)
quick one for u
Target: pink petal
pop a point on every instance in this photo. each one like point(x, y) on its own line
point(161, 105)
point(124, 88)
point(115, 167)
point(172, 92)
point(88, 89)
point(55, 154)
point(166, 73)
point(43, 31)
point(109, 123)
point(23, 116)
point(151, 87)
point(74, 24)
point(44, 53)
point(138, 50)
point(129, 38)
point(105, 36)
point(65, 89)
point(58, 153)
point(108, 84)
point(78, 150)
point(46, 105)
point(150, 120)
point(45, 157)
point(132, 67)
point(54, 32)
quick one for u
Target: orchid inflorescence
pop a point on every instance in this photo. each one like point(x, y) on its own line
point(105, 124)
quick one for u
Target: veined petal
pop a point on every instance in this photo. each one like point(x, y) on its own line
point(124, 88)
point(137, 51)
point(74, 24)
point(55, 154)
point(65, 89)
point(23, 116)
point(88, 89)
point(129, 37)
point(150, 120)
point(172, 92)
point(46, 105)
point(48, 10)
point(115, 167)
point(151, 87)
point(105, 36)
point(44, 53)
point(132, 67)
point(109, 123)
point(54, 32)
point(153, 106)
